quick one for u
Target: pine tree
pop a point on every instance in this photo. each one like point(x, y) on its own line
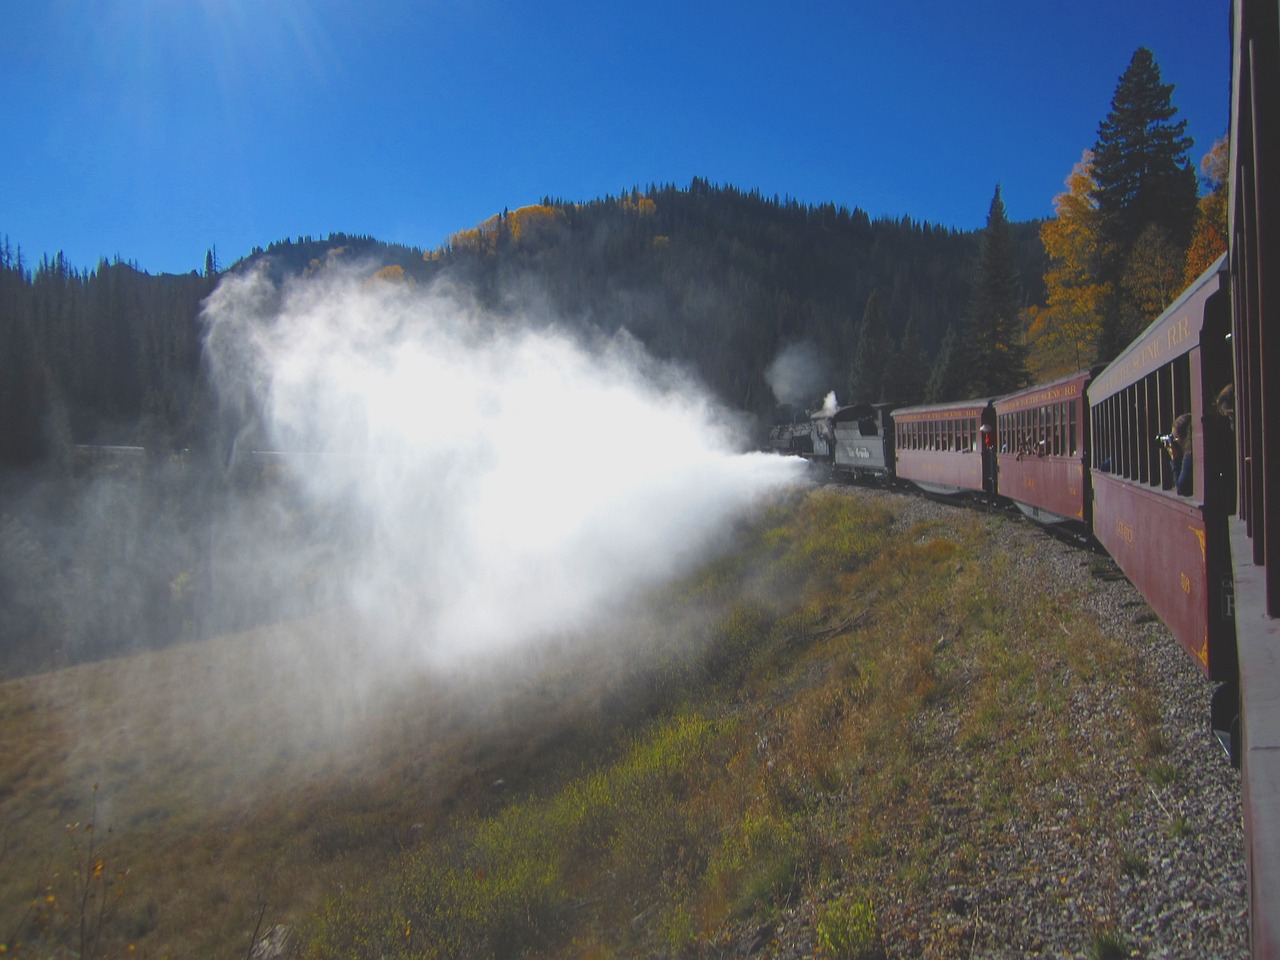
point(870, 359)
point(995, 355)
point(1143, 179)
point(947, 378)
point(908, 376)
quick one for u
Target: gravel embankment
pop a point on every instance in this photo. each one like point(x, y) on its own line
point(1171, 883)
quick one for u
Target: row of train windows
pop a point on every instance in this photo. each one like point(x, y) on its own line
point(1051, 430)
point(958, 434)
point(1128, 426)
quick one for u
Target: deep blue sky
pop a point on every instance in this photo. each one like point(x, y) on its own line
point(154, 129)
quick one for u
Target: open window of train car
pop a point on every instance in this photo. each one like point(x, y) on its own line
point(1171, 545)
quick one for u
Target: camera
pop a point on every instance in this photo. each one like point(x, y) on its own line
point(1166, 439)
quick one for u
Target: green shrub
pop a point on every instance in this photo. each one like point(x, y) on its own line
point(847, 929)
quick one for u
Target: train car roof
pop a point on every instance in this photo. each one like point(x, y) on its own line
point(952, 407)
point(1171, 334)
point(1053, 391)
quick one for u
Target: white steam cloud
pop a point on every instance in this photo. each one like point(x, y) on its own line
point(497, 480)
point(796, 374)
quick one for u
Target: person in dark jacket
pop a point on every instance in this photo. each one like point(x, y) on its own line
point(1178, 446)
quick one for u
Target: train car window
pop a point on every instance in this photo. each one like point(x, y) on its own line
point(1097, 456)
point(1165, 414)
point(1159, 399)
point(1142, 449)
point(1124, 423)
point(1103, 454)
point(1101, 436)
point(1113, 414)
point(1112, 431)
point(1137, 431)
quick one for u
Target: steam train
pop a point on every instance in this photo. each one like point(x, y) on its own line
point(1091, 453)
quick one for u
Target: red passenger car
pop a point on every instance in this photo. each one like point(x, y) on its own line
point(947, 448)
point(1043, 451)
point(1169, 536)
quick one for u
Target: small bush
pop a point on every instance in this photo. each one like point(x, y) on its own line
point(847, 929)
point(1108, 944)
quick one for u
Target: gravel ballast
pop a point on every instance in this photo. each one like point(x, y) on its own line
point(1170, 883)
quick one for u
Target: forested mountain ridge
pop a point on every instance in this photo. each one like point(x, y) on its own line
point(714, 277)
point(724, 280)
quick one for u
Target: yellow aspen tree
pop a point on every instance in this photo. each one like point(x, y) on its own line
point(1064, 333)
point(1209, 236)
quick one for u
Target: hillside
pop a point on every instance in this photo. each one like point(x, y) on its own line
point(725, 280)
point(716, 278)
point(833, 733)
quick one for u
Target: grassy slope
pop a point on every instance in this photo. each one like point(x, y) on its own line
point(835, 715)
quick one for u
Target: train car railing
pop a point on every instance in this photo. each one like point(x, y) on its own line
point(1254, 237)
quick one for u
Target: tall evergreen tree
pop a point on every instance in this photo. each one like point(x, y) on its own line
point(947, 378)
point(995, 355)
point(1143, 178)
point(871, 358)
point(908, 376)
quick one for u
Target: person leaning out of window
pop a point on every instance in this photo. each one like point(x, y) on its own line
point(1177, 444)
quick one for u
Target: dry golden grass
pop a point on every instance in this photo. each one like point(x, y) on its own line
point(793, 718)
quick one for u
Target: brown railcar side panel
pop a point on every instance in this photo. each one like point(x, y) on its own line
point(1055, 484)
point(1159, 543)
point(961, 469)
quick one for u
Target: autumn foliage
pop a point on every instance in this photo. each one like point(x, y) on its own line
point(1064, 332)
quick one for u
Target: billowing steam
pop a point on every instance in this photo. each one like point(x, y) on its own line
point(485, 481)
point(797, 374)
